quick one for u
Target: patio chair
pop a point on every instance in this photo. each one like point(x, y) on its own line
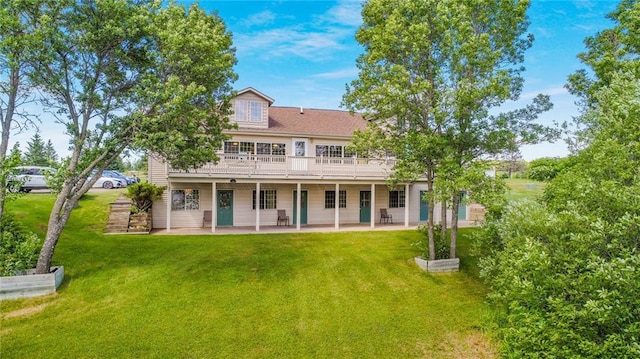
point(386, 217)
point(282, 217)
point(206, 217)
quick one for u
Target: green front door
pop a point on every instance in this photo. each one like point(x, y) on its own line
point(424, 206)
point(365, 206)
point(225, 208)
point(462, 208)
point(303, 207)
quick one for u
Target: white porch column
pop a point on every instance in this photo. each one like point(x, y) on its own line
point(257, 206)
point(298, 205)
point(337, 212)
point(214, 206)
point(406, 205)
point(373, 205)
point(169, 199)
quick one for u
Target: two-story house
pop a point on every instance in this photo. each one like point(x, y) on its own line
point(285, 159)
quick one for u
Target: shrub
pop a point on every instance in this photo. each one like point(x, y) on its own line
point(19, 249)
point(143, 194)
point(442, 245)
point(564, 283)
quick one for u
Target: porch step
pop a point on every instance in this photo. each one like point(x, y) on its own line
point(118, 221)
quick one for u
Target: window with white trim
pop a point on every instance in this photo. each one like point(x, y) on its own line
point(240, 110)
point(275, 149)
point(248, 111)
point(268, 199)
point(185, 200)
point(330, 199)
point(256, 111)
point(240, 148)
point(396, 199)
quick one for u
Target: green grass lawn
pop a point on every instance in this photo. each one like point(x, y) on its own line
point(522, 188)
point(325, 295)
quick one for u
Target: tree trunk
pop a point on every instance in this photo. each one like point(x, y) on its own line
point(454, 225)
point(443, 221)
point(7, 119)
point(431, 210)
point(60, 213)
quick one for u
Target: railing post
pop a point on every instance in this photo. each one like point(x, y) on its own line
point(355, 168)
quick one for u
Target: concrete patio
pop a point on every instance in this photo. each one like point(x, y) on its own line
point(355, 227)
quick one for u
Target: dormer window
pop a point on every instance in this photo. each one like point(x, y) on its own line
point(248, 111)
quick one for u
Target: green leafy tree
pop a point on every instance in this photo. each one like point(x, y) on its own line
point(140, 164)
point(22, 30)
point(510, 161)
point(50, 154)
point(35, 154)
point(121, 74)
point(18, 247)
point(13, 184)
point(118, 164)
point(545, 169)
point(143, 194)
point(430, 73)
point(611, 51)
point(564, 273)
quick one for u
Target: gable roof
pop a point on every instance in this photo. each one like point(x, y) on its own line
point(308, 121)
point(257, 93)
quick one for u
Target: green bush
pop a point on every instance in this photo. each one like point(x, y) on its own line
point(564, 283)
point(143, 194)
point(19, 249)
point(545, 169)
point(442, 245)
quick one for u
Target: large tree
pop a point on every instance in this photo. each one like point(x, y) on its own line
point(121, 74)
point(564, 273)
point(35, 154)
point(23, 26)
point(50, 154)
point(431, 72)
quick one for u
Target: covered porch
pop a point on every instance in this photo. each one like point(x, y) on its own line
point(243, 204)
point(315, 228)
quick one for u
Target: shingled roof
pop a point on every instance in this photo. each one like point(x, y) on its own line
point(310, 121)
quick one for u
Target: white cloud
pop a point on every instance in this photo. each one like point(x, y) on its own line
point(552, 91)
point(291, 41)
point(543, 32)
point(321, 39)
point(347, 13)
point(347, 73)
point(262, 18)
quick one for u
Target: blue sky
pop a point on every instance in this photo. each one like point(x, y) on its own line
point(302, 53)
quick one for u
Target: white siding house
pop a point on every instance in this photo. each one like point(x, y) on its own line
point(276, 153)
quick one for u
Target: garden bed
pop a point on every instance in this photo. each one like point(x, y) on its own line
point(438, 265)
point(30, 284)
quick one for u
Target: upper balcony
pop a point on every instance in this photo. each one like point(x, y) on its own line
point(267, 166)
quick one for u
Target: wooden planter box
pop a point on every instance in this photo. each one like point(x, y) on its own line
point(31, 285)
point(140, 222)
point(438, 265)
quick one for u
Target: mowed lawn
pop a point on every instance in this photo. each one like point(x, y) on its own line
point(522, 188)
point(324, 295)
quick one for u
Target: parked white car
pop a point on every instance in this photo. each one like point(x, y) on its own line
point(108, 183)
point(28, 178)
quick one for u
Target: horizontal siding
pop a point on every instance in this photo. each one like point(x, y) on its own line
point(265, 111)
point(288, 141)
point(245, 215)
point(157, 171)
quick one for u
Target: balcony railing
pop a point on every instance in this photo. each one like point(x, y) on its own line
point(284, 166)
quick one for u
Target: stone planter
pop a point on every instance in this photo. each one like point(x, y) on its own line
point(438, 265)
point(140, 222)
point(30, 284)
